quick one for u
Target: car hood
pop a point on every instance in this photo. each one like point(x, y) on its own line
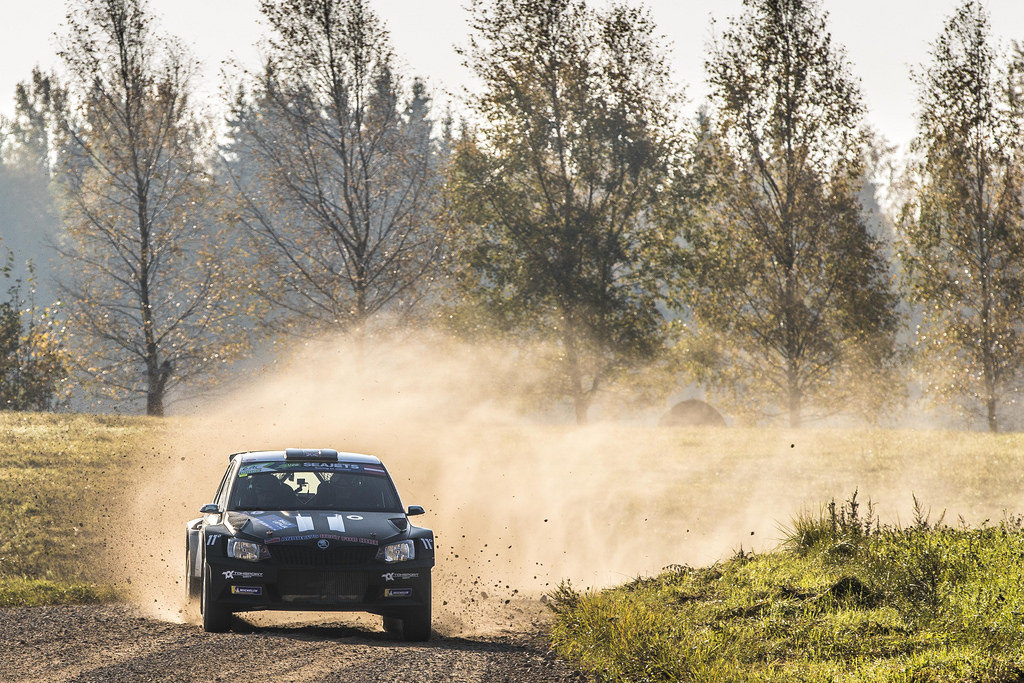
point(296, 526)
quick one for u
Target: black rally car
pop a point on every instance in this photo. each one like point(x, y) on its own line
point(306, 529)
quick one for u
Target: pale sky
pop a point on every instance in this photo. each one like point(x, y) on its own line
point(883, 38)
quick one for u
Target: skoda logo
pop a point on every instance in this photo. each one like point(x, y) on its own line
point(323, 543)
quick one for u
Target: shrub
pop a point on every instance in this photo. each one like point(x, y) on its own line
point(33, 361)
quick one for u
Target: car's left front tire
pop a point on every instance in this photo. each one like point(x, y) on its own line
point(216, 619)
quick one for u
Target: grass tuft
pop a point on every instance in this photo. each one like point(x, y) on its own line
point(837, 529)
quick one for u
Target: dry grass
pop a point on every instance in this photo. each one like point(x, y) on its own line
point(63, 485)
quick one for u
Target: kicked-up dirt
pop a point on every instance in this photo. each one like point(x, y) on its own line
point(116, 643)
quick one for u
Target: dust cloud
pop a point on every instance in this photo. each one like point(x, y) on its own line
point(518, 502)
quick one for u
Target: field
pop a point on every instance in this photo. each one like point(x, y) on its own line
point(93, 508)
point(62, 487)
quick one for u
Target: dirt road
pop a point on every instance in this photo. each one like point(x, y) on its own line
point(114, 643)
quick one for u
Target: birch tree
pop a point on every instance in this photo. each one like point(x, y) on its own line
point(335, 171)
point(964, 242)
point(793, 309)
point(145, 269)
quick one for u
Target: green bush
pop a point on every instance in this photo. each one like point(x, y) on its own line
point(33, 360)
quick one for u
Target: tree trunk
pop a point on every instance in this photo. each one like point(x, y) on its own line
point(154, 404)
point(580, 398)
point(795, 400)
point(157, 389)
point(990, 407)
point(582, 404)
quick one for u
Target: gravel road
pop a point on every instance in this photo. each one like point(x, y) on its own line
point(115, 643)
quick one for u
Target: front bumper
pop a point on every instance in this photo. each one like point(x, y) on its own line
point(374, 586)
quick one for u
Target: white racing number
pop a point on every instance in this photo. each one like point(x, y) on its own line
point(428, 543)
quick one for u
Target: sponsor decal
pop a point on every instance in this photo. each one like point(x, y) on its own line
point(323, 544)
point(247, 590)
point(331, 466)
point(367, 541)
point(397, 576)
point(260, 467)
point(273, 520)
point(354, 518)
point(331, 537)
point(256, 468)
point(428, 543)
point(231, 574)
point(397, 592)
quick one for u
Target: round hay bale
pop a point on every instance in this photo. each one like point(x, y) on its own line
point(692, 413)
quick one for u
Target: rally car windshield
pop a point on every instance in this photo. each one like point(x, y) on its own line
point(313, 486)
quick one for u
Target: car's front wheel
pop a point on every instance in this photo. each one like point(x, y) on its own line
point(412, 625)
point(393, 627)
point(216, 619)
point(416, 625)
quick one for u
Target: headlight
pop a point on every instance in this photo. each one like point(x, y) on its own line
point(247, 550)
point(397, 552)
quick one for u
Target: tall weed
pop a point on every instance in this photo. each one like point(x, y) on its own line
point(839, 529)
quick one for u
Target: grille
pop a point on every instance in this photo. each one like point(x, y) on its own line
point(307, 556)
point(323, 587)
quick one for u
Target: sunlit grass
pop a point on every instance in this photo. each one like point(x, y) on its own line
point(845, 598)
point(63, 481)
point(21, 592)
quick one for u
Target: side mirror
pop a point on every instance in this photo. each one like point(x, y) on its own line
point(210, 509)
point(415, 510)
